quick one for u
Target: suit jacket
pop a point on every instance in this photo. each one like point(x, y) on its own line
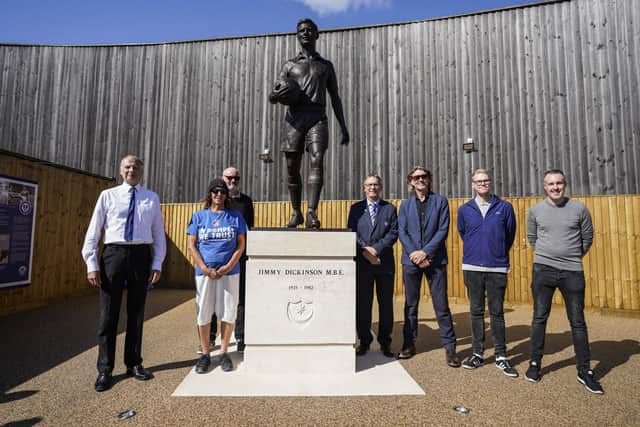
point(381, 236)
point(436, 228)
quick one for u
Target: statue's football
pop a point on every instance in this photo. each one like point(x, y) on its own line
point(287, 91)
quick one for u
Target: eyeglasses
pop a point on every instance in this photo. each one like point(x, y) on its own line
point(482, 182)
point(232, 178)
point(417, 177)
point(217, 191)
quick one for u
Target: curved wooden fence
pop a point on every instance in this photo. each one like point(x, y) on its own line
point(611, 266)
point(540, 85)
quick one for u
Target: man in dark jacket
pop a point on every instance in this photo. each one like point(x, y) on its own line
point(487, 226)
point(423, 226)
point(376, 225)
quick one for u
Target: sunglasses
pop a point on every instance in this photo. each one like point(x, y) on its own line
point(232, 178)
point(218, 191)
point(417, 177)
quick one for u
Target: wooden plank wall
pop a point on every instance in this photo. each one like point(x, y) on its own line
point(65, 202)
point(612, 268)
point(537, 86)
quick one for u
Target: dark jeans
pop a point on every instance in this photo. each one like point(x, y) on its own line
point(495, 285)
point(383, 278)
point(437, 280)
point(120, 263)
point(571, 284)
point(239, 327)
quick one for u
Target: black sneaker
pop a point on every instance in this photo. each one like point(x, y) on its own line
point(586, 378)
point(474, 361)
point(503, 364)
point(533, 373)
point(225, 363)
point(202, 366)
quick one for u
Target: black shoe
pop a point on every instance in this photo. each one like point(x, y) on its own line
point(225, 363)
point(474, 361)
point(586, 378)
point(362, 349)
point(202, 366)
point(387, 351)
point(103, 382)
point(407, 352)
point(504, 365)
point(241, 347)
point(296, 219)
point(533, 373)
point(312, 219)
point(138, 372)
point(452, 359)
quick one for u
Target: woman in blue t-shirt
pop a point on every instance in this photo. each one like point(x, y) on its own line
point(216, 241)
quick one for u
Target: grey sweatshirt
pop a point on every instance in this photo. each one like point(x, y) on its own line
point(560, 235)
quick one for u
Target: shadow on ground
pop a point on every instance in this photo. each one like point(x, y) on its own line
point(37, 340)
point(24, 423)
point(605, 355)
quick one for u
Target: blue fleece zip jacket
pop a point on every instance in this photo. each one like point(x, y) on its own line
point(486, 241)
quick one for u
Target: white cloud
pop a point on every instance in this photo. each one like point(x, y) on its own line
point(328, 7)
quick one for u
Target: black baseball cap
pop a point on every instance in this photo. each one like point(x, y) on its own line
point(218, 184)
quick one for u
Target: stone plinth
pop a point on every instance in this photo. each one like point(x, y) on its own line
point(300, 301)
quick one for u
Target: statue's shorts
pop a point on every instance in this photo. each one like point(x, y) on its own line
point(303, 129)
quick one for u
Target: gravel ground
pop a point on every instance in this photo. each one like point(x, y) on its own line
point(48, 360)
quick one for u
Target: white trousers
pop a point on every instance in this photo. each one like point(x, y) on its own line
point(219, 296)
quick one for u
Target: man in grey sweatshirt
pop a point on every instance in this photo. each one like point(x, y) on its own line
point(560, 232)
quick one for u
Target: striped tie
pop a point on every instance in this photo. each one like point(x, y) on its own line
point(373, 211)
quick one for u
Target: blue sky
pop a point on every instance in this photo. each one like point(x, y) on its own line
point(138, 21)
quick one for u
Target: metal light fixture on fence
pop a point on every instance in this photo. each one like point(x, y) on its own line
point(469, 146)
point(265, 156)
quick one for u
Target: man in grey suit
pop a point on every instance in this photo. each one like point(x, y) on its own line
point(376, 225)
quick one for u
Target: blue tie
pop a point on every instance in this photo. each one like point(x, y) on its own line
point(128, 227)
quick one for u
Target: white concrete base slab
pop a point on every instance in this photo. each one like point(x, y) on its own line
point(375, 375)
point(300, 359)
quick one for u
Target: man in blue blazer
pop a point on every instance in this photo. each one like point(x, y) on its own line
point(376, 225)
point(423, 228)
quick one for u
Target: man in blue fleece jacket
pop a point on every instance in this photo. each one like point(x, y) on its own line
point(487, 226)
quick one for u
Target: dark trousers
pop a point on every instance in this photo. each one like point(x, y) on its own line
point(495, 285)
point(239, 327)
point(367, 275)
point(437, 280)
point(544, 282)
point(120, 263)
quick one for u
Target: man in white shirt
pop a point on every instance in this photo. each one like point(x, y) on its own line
point(134, 248)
